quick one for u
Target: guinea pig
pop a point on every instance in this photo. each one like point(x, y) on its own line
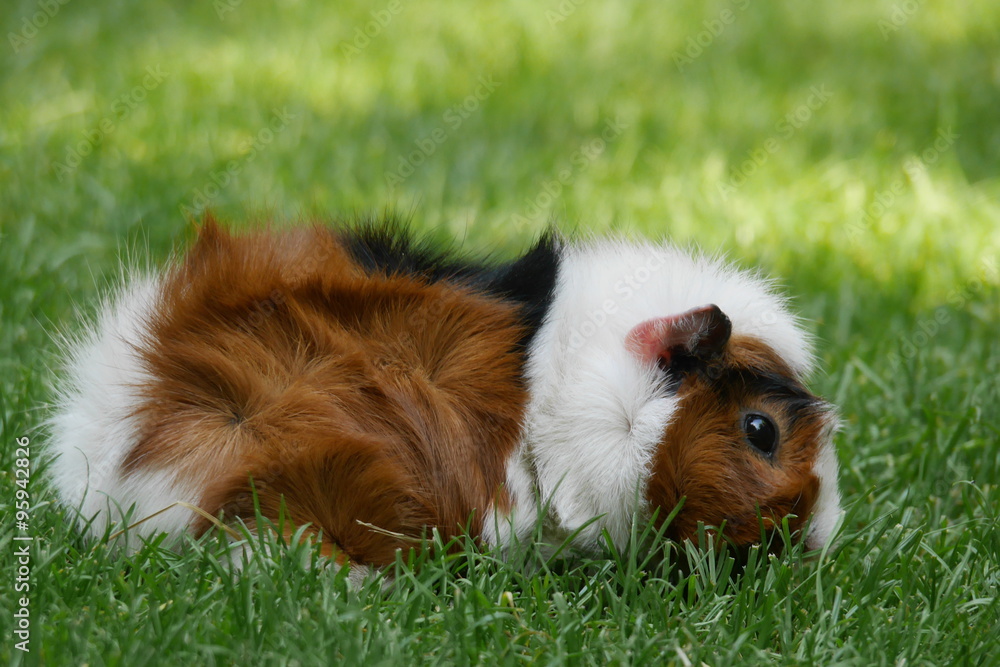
point(372, 387)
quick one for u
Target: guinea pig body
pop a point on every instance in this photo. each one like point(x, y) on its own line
point(375, 388)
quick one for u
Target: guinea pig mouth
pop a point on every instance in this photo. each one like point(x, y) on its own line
point(768, 533)
point(743, 554)
point(772, 544)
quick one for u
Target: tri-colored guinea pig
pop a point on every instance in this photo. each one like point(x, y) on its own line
point(378, 387)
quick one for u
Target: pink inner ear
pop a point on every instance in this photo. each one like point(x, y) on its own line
point(700, 332)
point(646, 339)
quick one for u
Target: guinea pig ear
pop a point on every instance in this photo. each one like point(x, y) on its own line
point(699, 334)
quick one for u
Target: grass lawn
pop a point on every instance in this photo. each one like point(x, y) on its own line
point(849, 148)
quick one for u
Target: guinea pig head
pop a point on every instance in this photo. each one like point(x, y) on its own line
point(748, 445)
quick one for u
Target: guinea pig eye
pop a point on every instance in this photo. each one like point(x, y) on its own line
point(760, 432)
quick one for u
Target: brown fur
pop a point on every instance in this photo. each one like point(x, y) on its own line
point(704, 458)
point(346, 396)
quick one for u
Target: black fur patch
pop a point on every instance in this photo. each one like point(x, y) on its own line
point(790, 394)
point(387, 245)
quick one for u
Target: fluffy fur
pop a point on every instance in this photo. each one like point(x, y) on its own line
point(375, 388)
point(609, 435)
point(275, 364)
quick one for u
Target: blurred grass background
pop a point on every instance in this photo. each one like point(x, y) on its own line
point(119, 119)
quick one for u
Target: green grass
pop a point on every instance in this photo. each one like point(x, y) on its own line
point(893, 262)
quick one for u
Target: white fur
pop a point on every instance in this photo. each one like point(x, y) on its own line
point(93, 428)
point(596, 413)
point(827, 512)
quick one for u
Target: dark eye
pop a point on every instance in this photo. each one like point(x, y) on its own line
point(761, 432)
